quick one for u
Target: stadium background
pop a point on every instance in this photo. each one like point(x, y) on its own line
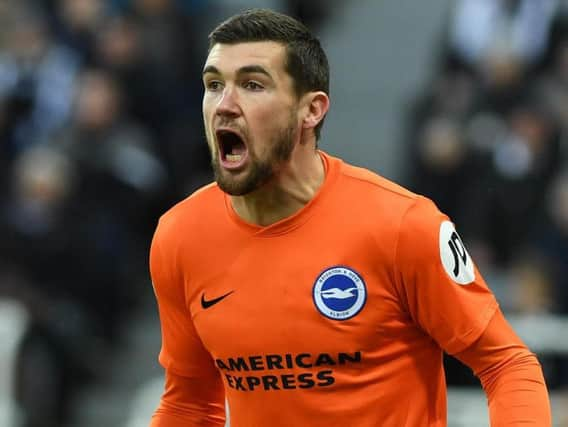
point(465, 101)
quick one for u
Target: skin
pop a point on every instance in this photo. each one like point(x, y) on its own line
point(248, 90)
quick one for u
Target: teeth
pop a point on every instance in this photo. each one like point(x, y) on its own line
point(233, 157)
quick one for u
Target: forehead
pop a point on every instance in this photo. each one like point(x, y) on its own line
point(231, 57)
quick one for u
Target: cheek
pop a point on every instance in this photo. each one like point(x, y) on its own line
point(209, 103)
point(207, 112)
point(269, 121)
point(206, 108)
point(210, 140)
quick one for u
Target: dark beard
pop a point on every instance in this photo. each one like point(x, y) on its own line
point(260, 172)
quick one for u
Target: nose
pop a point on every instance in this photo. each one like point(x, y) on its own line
point(228, 105)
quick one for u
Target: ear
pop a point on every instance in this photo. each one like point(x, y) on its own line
point(317, 105)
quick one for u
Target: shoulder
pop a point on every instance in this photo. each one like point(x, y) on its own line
point(382, 204)
point(382, 196)
point(372, 182)
point(188, 214)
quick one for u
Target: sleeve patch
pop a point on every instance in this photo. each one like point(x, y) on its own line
point(455, 258)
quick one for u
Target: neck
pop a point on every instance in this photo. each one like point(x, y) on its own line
point(293, 186)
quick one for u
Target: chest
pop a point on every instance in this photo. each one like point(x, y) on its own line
point(325, 295)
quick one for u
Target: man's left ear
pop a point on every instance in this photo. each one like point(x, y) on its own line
point(317, 104)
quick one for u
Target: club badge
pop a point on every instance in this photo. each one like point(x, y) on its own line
point(339, 293)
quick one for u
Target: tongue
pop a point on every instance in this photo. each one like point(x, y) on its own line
point(238, 149)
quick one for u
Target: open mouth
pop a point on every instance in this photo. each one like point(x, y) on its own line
point(233, 151)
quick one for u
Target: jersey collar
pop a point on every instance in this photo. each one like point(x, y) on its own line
point(332, 166)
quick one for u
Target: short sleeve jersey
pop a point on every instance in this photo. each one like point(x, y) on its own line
point(335, 316)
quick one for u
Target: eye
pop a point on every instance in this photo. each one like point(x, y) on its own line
point(214, 85)
point(252, 85)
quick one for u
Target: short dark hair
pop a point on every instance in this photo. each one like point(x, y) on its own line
point(306, 61)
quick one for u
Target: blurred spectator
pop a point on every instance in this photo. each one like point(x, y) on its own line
point(550, 240)
point(82, 187)
point(36, 81)
point(119, 172)
point(511, 185)
point(7, 11)
point(553, 90)
point(120, 49)
point(531, 285)
point(445, 165)
point(150, 48)
point(75, 228)
point(500, 42)
point(77, 23)
point(485, 145)
point(539, 281)
point(45, 262)
point(495, 32)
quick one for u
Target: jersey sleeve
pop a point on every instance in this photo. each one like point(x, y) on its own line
point(510, 375)
point(182, 351)
point(204, 407)
point(439, 284)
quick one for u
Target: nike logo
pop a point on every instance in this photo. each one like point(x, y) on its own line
point(209, 303)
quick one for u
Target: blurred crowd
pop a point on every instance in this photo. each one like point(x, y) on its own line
point(488, 141)
point(101, 131)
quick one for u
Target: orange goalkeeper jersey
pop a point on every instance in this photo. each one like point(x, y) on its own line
point(335, 316)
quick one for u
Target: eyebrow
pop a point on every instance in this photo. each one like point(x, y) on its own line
point(247, 69)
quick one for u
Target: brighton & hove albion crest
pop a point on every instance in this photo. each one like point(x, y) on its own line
point(339, 293)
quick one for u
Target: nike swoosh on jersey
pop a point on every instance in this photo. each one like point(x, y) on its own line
point(208, 303)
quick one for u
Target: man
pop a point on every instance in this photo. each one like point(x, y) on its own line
point(308, 292)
